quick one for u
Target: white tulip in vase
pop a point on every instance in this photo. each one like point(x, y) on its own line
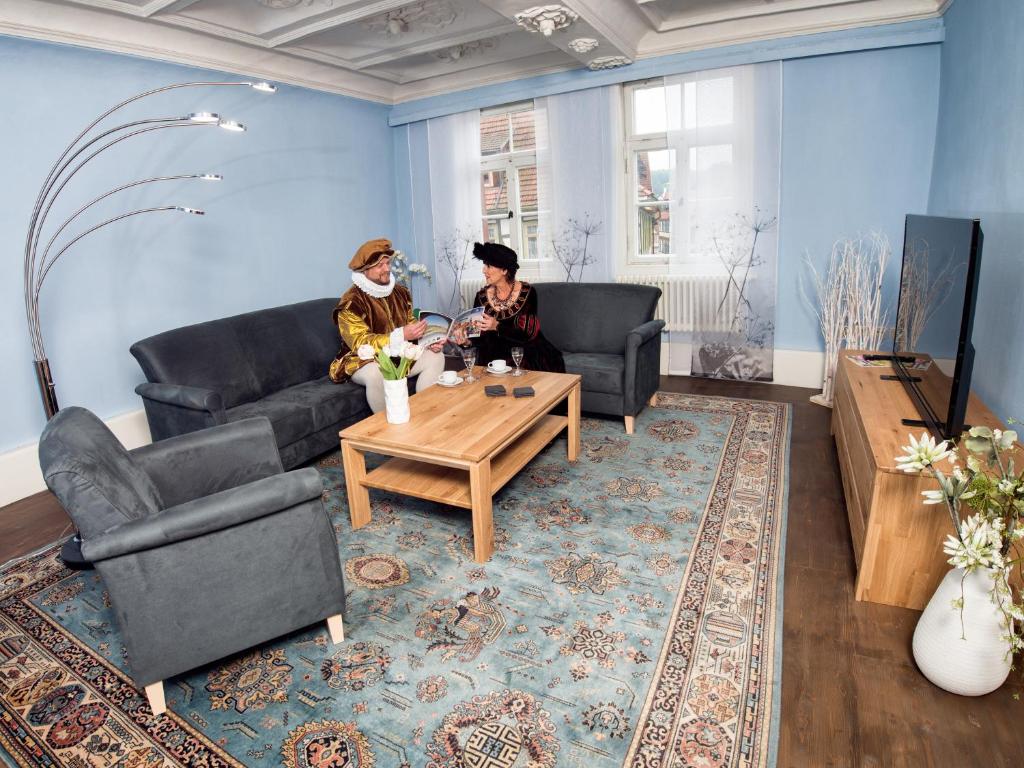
point(396, 386)
point(974, 624)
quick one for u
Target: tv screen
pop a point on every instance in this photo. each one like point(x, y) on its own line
point(932, 342)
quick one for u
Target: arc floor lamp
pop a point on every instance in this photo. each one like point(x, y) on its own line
point(91, 142)
point(87, 145)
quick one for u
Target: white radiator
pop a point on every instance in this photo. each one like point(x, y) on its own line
point(687, 303)
point(690, 302)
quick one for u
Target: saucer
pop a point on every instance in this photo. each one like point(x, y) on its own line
point(454, 384)
point(493, 372)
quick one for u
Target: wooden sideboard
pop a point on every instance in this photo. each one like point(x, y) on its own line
point(897, 540)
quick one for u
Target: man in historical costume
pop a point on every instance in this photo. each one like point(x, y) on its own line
point(376, 312)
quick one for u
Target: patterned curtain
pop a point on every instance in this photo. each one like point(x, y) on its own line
point(724, 133)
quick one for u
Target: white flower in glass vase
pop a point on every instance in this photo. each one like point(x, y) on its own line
point(366, 352)
point(412, 352)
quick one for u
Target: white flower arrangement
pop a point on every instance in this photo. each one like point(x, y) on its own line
point(985, 503)
point(406, 353)
point(405, 272)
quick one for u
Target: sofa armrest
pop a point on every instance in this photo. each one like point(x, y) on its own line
point(193, 398)
point(644, 333)
point(643, 365)
point(206, 515)
point(202, 463)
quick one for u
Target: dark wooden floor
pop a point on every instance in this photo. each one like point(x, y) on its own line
point(851, 695)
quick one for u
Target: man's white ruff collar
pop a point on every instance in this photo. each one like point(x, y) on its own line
point(366, 285)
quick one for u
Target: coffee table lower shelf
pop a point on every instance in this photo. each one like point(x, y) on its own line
point(450, 485)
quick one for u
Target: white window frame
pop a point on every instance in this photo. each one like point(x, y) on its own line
point(511, 163)
point(634, 143)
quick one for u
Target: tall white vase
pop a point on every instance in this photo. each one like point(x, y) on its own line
point(969, 659)
point(396, 400)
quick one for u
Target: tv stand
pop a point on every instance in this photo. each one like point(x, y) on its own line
point(897, 540)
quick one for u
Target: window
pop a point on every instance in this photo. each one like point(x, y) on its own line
point(679, 163)
point(508, 179)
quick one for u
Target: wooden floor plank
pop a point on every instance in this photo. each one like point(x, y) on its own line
point(851, 694)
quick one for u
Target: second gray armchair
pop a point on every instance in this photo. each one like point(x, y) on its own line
point(205, 544)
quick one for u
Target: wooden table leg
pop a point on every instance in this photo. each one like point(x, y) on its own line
point(574, 423)
point(483, 518)
point(355, 472)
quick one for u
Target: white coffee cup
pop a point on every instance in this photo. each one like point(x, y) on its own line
point(449, 377)
point(497, 365)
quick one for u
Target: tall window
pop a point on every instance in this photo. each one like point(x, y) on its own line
point(508, 179)
point(680, 138)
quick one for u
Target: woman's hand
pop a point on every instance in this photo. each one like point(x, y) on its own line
point(459, 335)
point(487, 323)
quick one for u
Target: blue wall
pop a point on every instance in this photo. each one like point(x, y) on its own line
point(311, 179)
point(979, 172)
point(858, 133)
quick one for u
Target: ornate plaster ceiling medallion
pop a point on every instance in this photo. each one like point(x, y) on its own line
point(583, 44)
point(545, 18)
point(608, 62)
point(464, 51)
point(424, 15)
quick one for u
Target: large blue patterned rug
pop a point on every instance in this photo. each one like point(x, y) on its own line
point(630, 616)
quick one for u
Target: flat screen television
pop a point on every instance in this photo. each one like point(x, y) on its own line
point(932, 349)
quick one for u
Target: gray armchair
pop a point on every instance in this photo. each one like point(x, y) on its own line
point(608, 335)
point(205, 544)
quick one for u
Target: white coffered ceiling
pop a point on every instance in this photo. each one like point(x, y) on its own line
point(397, 50)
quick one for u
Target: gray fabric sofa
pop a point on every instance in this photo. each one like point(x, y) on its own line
point(607, 334)
point(205, 544)
point(272, 362)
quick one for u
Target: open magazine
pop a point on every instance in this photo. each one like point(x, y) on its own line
point(441, 327)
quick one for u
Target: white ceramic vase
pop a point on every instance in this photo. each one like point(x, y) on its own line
point(396, 401)
point(969, 659)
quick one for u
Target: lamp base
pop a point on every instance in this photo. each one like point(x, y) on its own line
point(71, 554)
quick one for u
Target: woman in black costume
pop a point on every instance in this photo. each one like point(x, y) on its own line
point(510, 314)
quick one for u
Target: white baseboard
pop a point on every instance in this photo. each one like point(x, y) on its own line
point(19, 469)
point(20, 476)
point(793, 367)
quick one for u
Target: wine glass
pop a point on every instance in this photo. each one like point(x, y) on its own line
point(517, 358)
point(469, 359)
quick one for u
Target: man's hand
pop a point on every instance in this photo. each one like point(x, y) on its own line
point(413, 331)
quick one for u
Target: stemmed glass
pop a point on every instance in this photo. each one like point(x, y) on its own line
point(469, 359)
point(517, 358)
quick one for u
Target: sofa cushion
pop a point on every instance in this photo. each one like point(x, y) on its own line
point(291, 421)
point(288, 345)
point(92, 475)
point(328, 403)
point(600, 373)
point(593, 317)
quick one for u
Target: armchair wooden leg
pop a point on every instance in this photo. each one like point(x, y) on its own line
point(155, 695)
point(335, 629)
point(654, 400)
point(630, 421)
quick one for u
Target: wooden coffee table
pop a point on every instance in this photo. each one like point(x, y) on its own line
point(460, 446)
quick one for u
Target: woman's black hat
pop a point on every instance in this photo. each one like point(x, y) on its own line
point(497, 255)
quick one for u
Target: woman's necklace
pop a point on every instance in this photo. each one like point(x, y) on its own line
point(503, 304)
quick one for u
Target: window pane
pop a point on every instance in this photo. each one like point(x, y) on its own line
point(653, 172)
point(528, 189)
point(498, 231)
point(494, 192)
point(495, 136)
point(708, 103)
point(656, 109)
point(653, 233)
point(524, 135)
point(531, 251)
point(711, 172)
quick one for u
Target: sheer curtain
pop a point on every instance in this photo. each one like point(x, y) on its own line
point(724, 132)
point(453, 145)
point(576, 143)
